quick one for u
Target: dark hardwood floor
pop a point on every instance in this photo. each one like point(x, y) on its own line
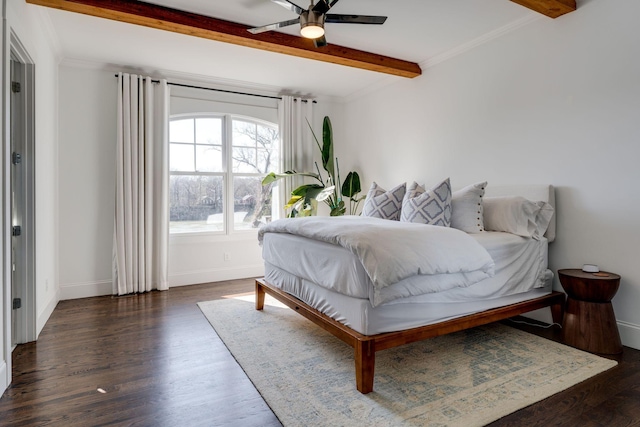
point(155, 355)
point(154, 360)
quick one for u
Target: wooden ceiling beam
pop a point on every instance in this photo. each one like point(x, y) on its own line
point(168, 19)
point(551, 8)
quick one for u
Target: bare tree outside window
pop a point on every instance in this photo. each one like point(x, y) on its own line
point(255, 151)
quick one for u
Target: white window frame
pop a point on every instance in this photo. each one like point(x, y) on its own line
point(227, 174)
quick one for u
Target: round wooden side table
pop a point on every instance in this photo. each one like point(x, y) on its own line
point(589, 322)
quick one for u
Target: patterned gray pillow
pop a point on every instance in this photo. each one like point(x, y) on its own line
point(384, 204)
point(431, 206)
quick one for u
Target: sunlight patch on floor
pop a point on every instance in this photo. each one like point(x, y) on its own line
point(250, 297)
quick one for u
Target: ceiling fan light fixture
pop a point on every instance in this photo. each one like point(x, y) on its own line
point(311, 31)
point(311, 24)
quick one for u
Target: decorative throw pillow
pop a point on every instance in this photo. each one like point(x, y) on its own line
point(466, 208)
point(384, 204)
point(517, 215)
point(431, 206)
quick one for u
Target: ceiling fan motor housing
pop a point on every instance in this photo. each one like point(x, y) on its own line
point(309, 18)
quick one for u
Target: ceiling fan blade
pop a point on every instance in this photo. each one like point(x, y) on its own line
point(323, 6)
point(289, 5)
point(355, 19)
point(275, 26)
point(320, 41)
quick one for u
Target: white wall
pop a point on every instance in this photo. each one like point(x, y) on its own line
point(46, 156)
point(556, 101)
point(86, 192)
point(30, 28)
point(87, 115)
point(28, 24)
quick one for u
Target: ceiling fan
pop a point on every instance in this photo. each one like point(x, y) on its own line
point(312, 20)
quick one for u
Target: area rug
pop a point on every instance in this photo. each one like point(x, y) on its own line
point(468, 378)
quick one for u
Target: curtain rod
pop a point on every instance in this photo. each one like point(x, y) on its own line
point(226, 91)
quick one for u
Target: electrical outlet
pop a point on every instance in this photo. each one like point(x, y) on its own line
point(227, 257)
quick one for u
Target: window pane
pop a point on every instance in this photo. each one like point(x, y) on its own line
point(252, 203)
point(267, 161)
point(196, 203)
point(181, 157)
point(268, 137)
point(209, 131)
point(244, 133)
point(268, 149)
point(208, 158)
point(181, 130)
point(245, 161)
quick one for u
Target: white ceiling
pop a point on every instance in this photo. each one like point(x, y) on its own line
point(416, 30)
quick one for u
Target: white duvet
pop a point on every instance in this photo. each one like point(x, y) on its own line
point(394, 251)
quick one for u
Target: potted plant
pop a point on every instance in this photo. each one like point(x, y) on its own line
point(332, 191)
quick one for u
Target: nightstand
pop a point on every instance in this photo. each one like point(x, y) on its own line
point(589, 322)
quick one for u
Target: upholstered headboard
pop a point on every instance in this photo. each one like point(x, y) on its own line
point(534, 193)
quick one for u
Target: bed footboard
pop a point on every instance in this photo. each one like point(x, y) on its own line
point(365, 346)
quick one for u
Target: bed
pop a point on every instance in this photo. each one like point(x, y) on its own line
point(365, 289)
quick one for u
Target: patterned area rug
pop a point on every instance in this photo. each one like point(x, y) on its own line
point(469, 378)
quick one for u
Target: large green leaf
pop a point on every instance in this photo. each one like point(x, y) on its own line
point(272, 177)
point(339, 210)
point(293, 201)
point(351, 185)
point(308, 191)
point(327, 148)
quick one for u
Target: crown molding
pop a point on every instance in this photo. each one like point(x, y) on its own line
point(478, 41)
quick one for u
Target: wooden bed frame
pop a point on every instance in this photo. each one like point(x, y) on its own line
point(365, 346)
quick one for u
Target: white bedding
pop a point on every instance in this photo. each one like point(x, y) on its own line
point(391, 253)
point(520, 265)
point(359, 315)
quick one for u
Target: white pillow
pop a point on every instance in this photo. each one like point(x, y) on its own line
point(432, 206)
point(384, 204)
point(517, 215)
point(467, 209)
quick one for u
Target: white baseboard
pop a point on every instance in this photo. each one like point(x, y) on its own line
point(4, 379)
point(46, 313)
point(104, 287)
point(85, 290)
point(629, 334)
point(215, 275)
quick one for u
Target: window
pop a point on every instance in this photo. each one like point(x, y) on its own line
point(217, 163)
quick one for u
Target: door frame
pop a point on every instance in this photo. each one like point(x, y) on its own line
point(11, 46)
point(26, 319)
